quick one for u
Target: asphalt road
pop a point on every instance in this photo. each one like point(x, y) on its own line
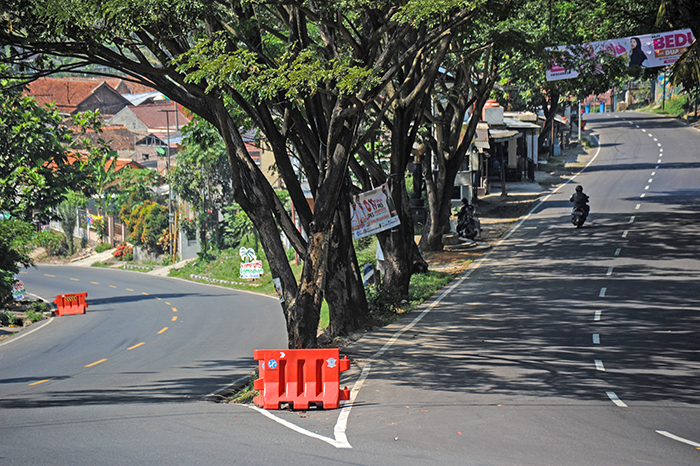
point(559, 347)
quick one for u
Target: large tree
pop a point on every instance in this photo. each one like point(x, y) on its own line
point(304, 72)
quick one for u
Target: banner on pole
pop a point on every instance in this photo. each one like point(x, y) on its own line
point(372, 212)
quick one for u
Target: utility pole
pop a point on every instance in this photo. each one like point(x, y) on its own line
point(171, 215)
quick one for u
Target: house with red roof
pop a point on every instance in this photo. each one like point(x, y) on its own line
point(73, 95)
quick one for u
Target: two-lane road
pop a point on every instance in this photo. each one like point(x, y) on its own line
point(561, 346)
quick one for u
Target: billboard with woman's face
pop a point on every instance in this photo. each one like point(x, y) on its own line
point(646, 51)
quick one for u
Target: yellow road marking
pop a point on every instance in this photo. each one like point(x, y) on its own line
point(167, 303)
point(41, 381)
point(96, 363)
point(23, 272)
point(174, 310)
point(159, 299)
point(144, 293)
point(112, 286)
point(164, 329)
point(47, 275)
point(174, 318)
point(137, 345)
point(94, 283)
point(129, 289)
point(75, 279)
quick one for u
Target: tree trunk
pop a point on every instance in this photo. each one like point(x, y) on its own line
point(398, 244)
point(344, 291)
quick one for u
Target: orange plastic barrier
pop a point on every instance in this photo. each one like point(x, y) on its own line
point(69, 304)
point(300, 377)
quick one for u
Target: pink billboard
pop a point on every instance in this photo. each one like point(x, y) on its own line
point(647, 51)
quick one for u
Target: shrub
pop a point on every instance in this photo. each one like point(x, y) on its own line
point(145, 224)
point(51, 240)
point(124, 252)
point(36, 312)
point(102, 247)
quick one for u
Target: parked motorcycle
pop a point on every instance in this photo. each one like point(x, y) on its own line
point(468, 226)
point(578, 216)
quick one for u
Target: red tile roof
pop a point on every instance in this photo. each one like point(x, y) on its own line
point(67, 93)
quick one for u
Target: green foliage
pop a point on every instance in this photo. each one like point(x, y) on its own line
point(238, 228)
point(386, 305)
point(225, 265)
point(51, 240)
point(145, 224)
point(366, 250)
point(676, 106)
point(35, 171)
point(132, 187)
point(68, 216)
point(15, 244)
point(102, 247)
point(36, 312)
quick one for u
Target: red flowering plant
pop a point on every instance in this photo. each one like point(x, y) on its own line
point(124, 252)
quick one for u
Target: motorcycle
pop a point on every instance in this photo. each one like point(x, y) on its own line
point(468, 226)
point(578, 216)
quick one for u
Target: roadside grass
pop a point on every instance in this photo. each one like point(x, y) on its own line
point(225, 265)
point(676, 106)
point(387, 307)
point(246, 394)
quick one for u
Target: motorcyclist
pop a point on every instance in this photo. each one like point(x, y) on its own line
point(467, 226)
point(580, 199)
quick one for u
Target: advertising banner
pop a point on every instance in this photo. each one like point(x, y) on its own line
point(647, 51)
point(372, 212)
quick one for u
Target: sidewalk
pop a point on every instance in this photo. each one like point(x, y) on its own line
point(161, 271)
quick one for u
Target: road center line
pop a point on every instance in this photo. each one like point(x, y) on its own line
point(164, 329)
point(47, 275)
point(174, 318)
point(680, 439)
point(643, 195)
point(112, 286)
point(96, 363)
point(625, 233)
point(129, 289)
point(40, 381)
point(646, 188)
point(599, 365)
point(631, 219)
point(602, 292)
point(609, 272)
point(613, 397)
point(637, 206)
point(597, 315)
point(136, 345)
point(75, 279)
point(174, 310)
point(94, 283)
point(617, 252)
point(596, 339)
